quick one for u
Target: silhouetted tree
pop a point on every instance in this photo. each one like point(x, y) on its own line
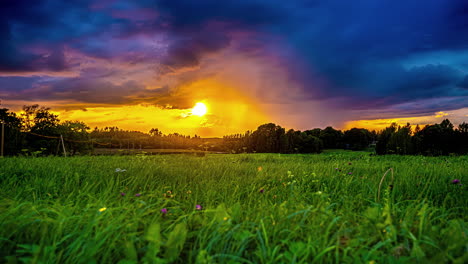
point(461, 140)
point(437, 139)
point(13, 137)
point(357, 138)
point(383, 139)
point(310, 144)
point(76, 137)
point(41, 126)
point(400, 141)
point(331, 138)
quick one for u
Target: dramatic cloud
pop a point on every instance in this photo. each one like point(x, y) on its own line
point(464, 84)
point(340, 60)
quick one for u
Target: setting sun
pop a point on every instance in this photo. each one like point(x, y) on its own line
point(199, 109)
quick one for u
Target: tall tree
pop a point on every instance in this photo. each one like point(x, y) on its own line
point(13, 138)
point(331, 138)
point(357, 138)
point(76, 137)
point(42, 125)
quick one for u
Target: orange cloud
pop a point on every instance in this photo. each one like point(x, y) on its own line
point(455, 116)
point(229, 112)
point(441, 114)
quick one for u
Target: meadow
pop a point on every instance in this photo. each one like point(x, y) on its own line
point(242, 208)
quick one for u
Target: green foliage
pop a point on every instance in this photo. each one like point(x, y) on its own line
point(256, 208)
point(271, 138)
point(76, 136)
point(432, 140)
point(357, 138)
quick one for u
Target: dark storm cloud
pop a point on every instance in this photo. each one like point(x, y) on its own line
point(204, 27)
point(187, 52)
point(352, 49)
point(91, 91)
point(17, 84)
point(359, 47)
point(430, 81)
point(24, 23)
point(185, 14)
point(34, 33)
point(464, 83)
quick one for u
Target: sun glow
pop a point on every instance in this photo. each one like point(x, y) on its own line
point(199, 109)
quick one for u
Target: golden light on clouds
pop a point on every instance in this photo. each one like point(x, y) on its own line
point(379, 124)
point(455, 116)
point(218, 110)
point(441, 114)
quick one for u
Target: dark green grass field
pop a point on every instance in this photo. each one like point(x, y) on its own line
point(255, 208)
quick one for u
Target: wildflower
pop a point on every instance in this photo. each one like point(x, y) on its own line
point(336, 169)
point(168, 195)
point(189, 192)
point(349, 173)
point(138, 195)
point(259, 168)
point(164, 211)
point(102, 209)
point(262, 190)
point(198, 207)
point(225, 218)
point(455, 181)
point(122, 194)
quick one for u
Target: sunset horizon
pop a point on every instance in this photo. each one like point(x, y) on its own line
point(144, 64)
point(125, 117)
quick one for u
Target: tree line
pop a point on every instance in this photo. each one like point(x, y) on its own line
point(37, 130)
point(437, 139)
point(271, 138)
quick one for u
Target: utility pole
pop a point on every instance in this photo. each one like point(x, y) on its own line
point(3, 138)
point(63, 145)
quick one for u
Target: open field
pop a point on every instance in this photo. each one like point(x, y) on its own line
point(109, 151)
point(255, 208)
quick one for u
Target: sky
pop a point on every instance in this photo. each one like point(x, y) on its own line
point(300, 64)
